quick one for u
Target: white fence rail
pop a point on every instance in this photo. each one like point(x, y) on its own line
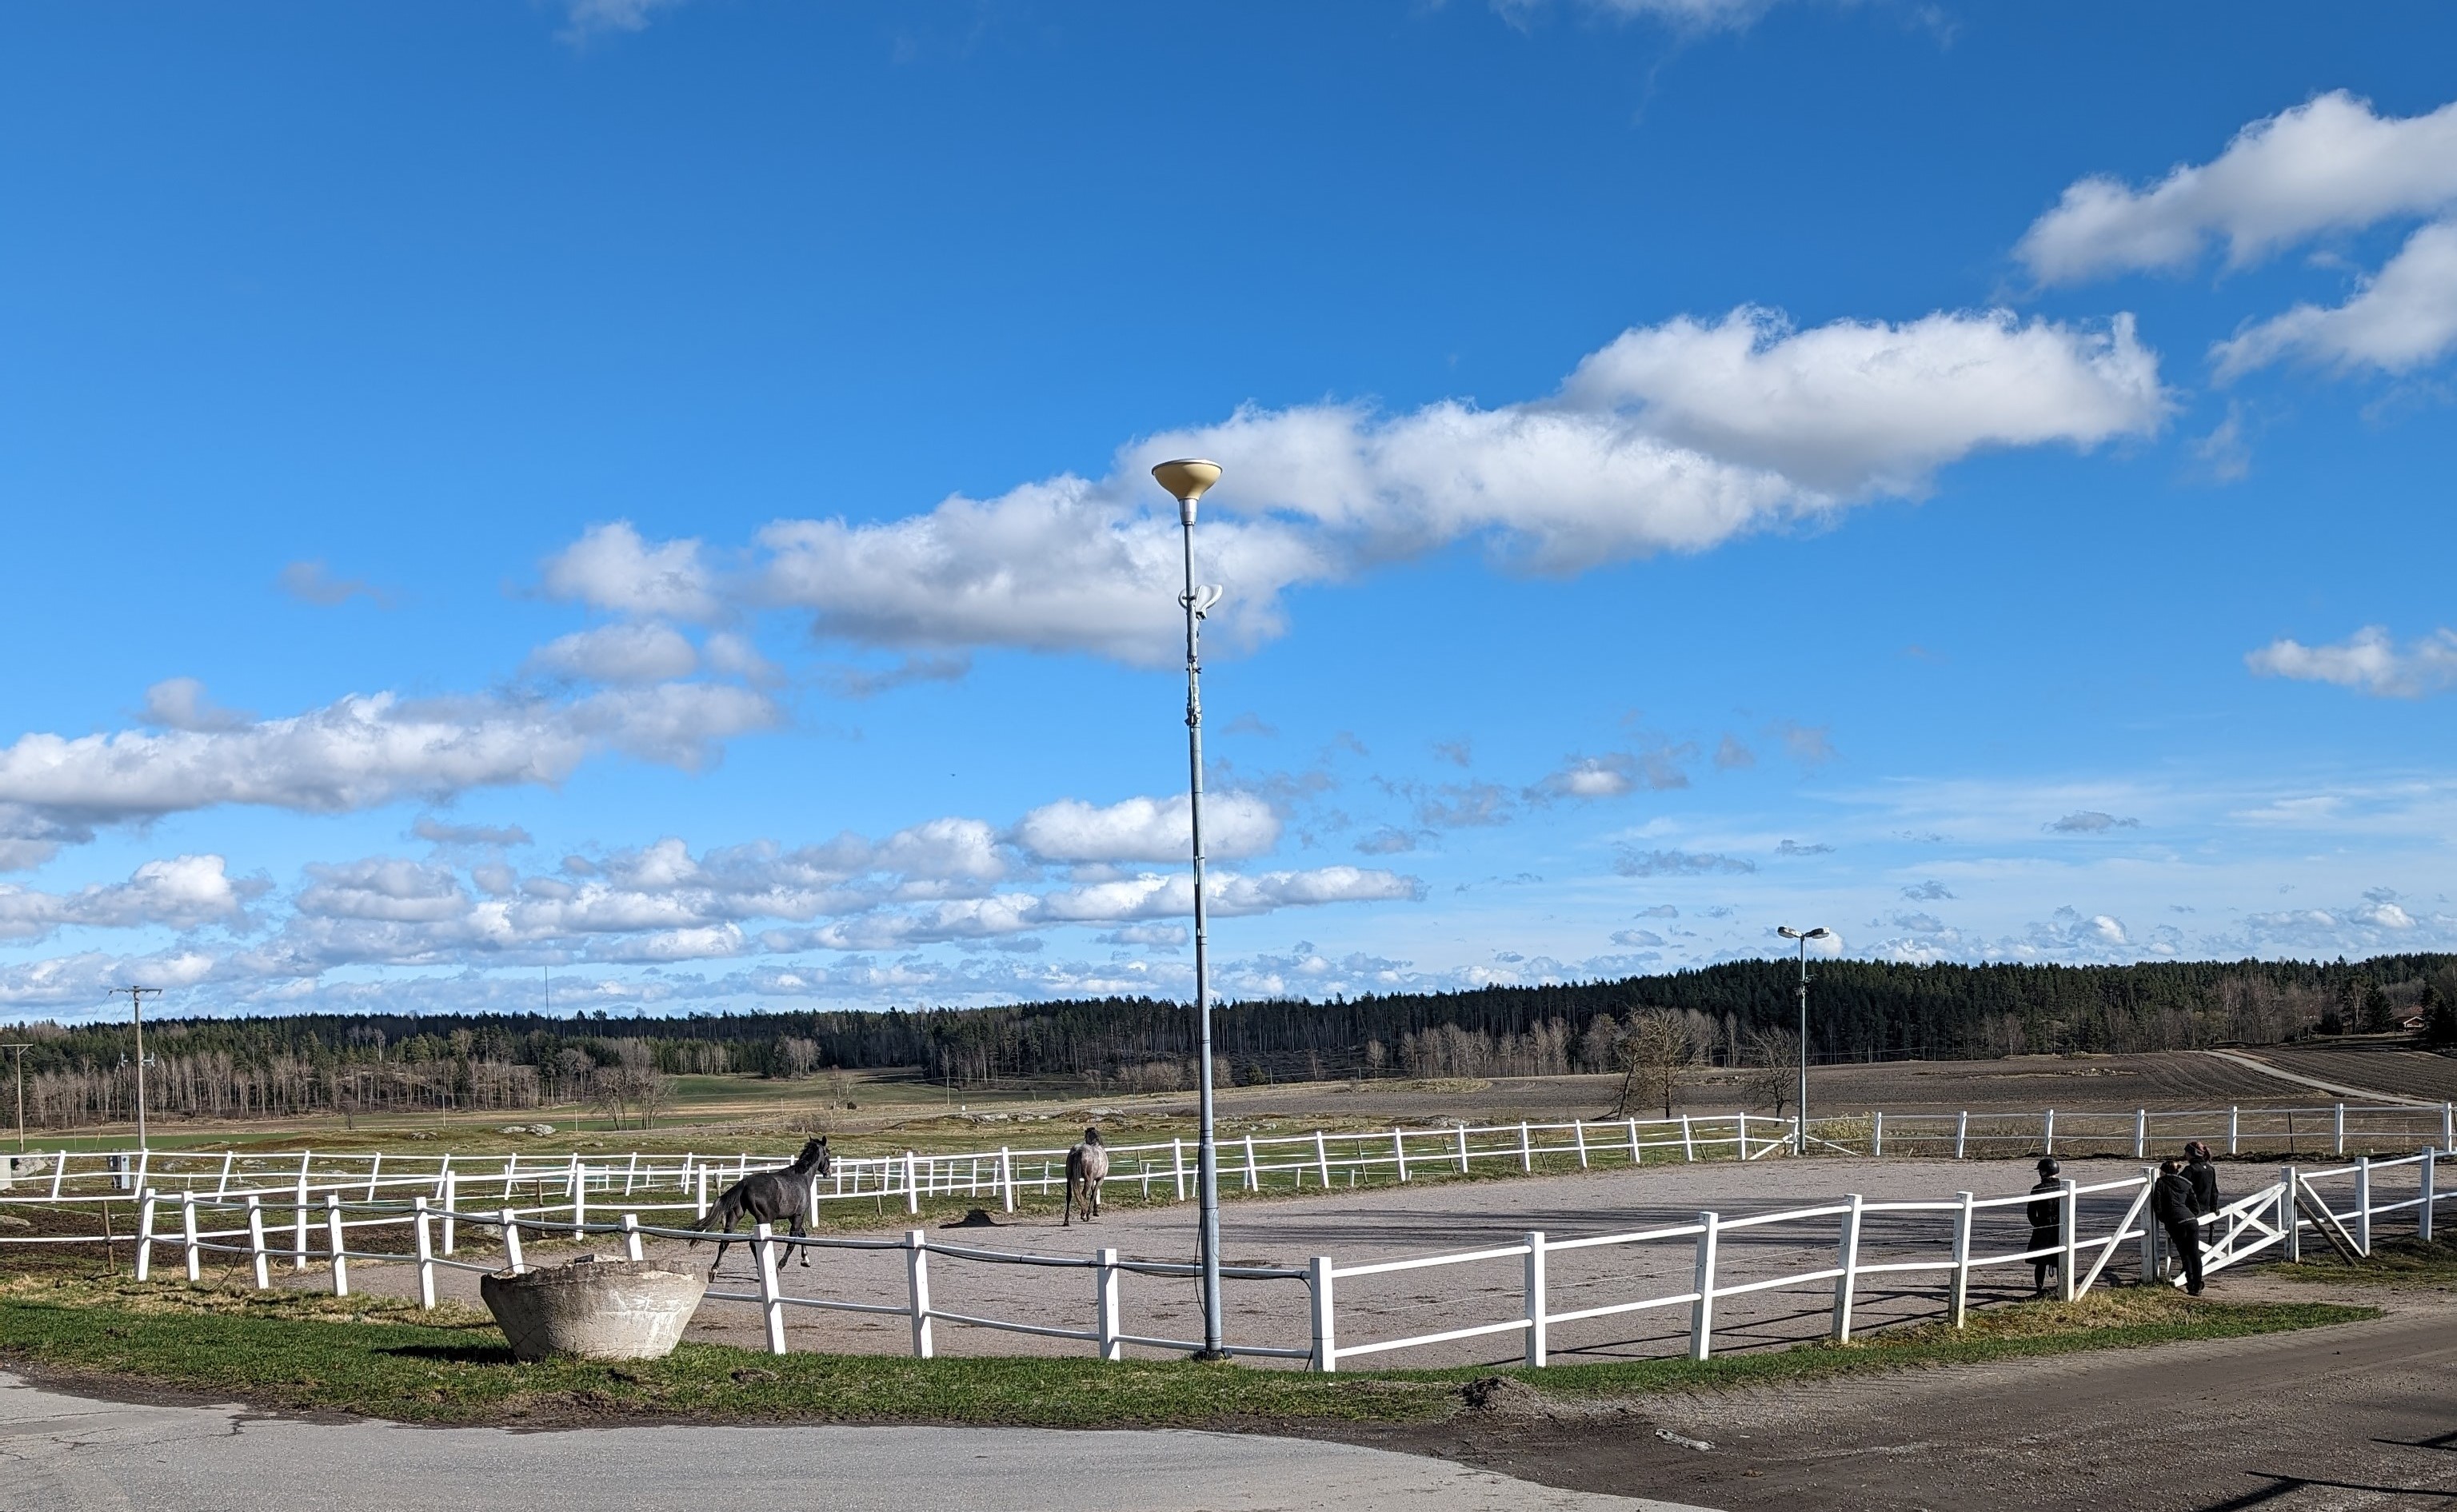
point(1948, 1250)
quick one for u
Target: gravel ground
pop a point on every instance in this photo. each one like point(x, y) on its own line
point(1392, 1222)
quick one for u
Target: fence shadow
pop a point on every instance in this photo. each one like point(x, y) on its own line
point(454, 1353)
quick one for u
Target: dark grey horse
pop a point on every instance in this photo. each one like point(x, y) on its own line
point(769, 1197)
point(1088, 1166)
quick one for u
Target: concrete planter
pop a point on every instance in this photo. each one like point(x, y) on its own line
point(594, 1308)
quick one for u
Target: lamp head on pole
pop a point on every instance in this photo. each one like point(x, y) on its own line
point(1187, 479)
point(1790, 933)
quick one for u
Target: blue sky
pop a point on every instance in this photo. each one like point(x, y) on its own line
point(651, 493)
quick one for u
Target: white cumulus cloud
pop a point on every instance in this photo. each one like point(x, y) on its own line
point(1235, 825)
point(2398, 319)
point(631, 652)
point(2368, 662)
point(611, 567)
point(2331, 164)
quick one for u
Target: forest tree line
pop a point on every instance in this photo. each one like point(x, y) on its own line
point(1859, 1009)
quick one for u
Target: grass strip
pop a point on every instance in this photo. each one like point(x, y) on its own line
point(381, 1358)
point(2398, 1262)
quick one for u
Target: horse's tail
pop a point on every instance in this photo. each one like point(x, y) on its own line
point(722, 1213)
point(1074, 1175)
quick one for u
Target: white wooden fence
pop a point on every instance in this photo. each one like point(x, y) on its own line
point(673, 1185)
point(2275, 1216)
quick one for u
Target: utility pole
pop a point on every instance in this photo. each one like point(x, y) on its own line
point(20, 1047)
point(1800, 1104)
point(136, 996)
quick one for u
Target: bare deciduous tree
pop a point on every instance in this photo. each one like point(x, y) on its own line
point(1655, 1053)
point(1770, 1068)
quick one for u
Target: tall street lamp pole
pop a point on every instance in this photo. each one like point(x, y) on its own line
point(1800, 1104)
point(19, 1047)
point(1187, 480)
point(136, 996)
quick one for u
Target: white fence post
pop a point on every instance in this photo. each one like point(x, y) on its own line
point(699, 1200)
point(255, 1242)
point(579, 1198)
point(1877, 1134)
point(2448, 1125)
point(2048, 1139)
point(2430, 1195)
point(426, 1243)
point(1462, 1149)
point(1006, 1177)
point(2364, 1203)
point(1740, 1138)
point(1958, 1305)
point(1399, 1154)
point(2150, 1234)
point(631, 1250)
point(1579, 1129)
point(298, 1219)
point(375, 1165)
point(451, 1207)
point(912, 1183)
point(1177, 1166)
point(221, 1183)
point(1701, 1312)
point(1635, 1157)
point(916, 1267)
point(190, 1254)
point(2341, 1127)
point(1253, 1173)
point(1848, 1257)
point(145, 1237)
point(2235, 1124)
point(1688, 1147)
point(338, 1245)
point(1526, 1149)
point(1326, 1348)
point(1105, 1283)
point(2291, 1222)
point(1538, 1326)
point(512, 1261)
point(1961, 1132)
point(2070, 1200)
point(1322, 1158)
point(771, 1312)
point(2140, 1133)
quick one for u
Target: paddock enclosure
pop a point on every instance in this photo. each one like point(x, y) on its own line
point(1523, 1243)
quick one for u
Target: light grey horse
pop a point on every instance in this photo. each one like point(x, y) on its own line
point(1088, 1166)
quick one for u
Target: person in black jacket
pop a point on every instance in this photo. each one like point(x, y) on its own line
point(2171, 1205)
point(2047, 1215)
point(2203, 1176)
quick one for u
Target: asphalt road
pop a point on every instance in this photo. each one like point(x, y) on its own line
point(68, 1454)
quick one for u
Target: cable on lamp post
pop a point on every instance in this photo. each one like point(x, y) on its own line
point(1800, 1104)
point(136, 996)
point(1186, 480)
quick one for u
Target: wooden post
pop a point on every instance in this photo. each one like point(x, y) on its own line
point(1701, 1312)
point(2289, 1221)
point(771, 1312)
point(1538, 1326)
point(1105, 1282)
point(338, 1245)
point(144, 1234)
point(1848, 1257)
point(2430, 1195)
point(1326, 1349)
point(916, 1265)
point(425, 1241)
point(1958, 1303)
point(255, 1254)
point(2071, 1206)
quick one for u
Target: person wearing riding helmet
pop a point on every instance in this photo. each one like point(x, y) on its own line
point(2203, 1176)
point(2171, 1205)
point(2047, 1215)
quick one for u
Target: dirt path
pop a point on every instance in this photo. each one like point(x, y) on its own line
point(2364, 1414)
